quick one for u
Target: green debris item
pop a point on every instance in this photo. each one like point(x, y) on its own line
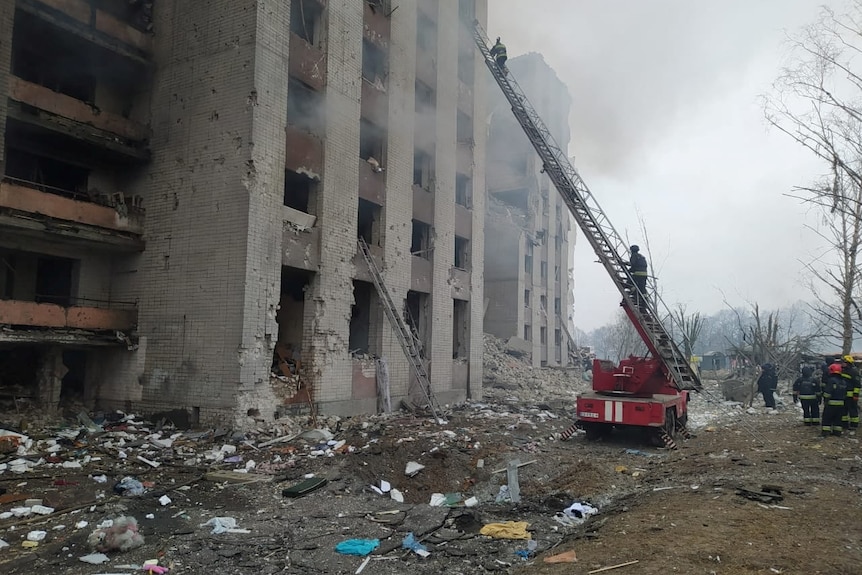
point(304, 487)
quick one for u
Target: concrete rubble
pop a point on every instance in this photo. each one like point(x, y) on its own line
point(217, 499)
point(510, 377)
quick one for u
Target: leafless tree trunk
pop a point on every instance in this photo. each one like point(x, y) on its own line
point(818, 102)
point(619, 339)
point(691, 325)
point(836, 285)
point(769, 337)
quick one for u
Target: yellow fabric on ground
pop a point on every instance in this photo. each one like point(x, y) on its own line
point(507, 530)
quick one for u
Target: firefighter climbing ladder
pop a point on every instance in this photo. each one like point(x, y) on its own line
point(606, 242)
point(403, 333)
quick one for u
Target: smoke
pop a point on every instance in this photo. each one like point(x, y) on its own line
point(634, 68)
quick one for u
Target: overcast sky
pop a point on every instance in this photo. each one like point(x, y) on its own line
point(666, 123)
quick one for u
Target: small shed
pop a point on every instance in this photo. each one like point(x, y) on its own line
point(713, 361)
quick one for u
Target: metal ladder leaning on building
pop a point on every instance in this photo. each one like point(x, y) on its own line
point(574, 350)
point(604, 239)
point(404, 335)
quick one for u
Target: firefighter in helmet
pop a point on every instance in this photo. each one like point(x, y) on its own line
point(806, 389)
point(638, 270)
point(767, 383)
point(850, 417)
point(834, 393)
point(498, 53)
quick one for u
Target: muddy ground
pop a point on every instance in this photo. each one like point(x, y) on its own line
point(671, 511)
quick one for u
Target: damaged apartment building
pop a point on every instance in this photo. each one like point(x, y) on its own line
point(529, 237)
point(185, 183)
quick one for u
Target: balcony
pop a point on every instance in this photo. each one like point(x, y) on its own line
point(304, 153)
point(27, 211)
point(377, 23)
point(423, 205)
point(463, 222)
point(307, 63)
point(465, 98)
point(29, 314)
point(429, 9)
point(362, 272)
point(375, 104)
point(426, 69)
point(45, 109)
point(300, 244)
point(372, 185)
point(464, 158)
point(460, 374)
point(459, 280)
point(85, 20)
point(425, 131)
point(420, 274)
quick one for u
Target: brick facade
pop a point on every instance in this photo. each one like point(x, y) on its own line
point(220, 241)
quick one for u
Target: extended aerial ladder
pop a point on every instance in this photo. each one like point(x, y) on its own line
point(668, 373)
point(405, 336)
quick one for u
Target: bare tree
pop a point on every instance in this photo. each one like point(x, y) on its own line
point(691, 326)
point(618, 340)
point(771, 337)
point(817, 101)
point(835, 274)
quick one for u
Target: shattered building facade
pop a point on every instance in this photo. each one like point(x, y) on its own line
point(529, 235)
point(183, 189)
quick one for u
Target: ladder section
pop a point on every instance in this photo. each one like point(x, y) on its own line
point(604, 239)
point(405, 336)
point(574, 350)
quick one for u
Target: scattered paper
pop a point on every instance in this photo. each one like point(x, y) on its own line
point(95, 558)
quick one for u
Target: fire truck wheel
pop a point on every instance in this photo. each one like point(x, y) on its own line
point(596, 431)
point(670, 421)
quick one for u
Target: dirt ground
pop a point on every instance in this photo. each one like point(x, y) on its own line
point(671, 511)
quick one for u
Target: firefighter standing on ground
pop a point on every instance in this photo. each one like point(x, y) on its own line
point(806, 389)
point(498, 53)
point(767, 383)
point(638, 270)
point(850, 417)
point(834, 393)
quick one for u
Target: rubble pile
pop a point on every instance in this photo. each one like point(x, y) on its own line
point(490, 489)
point(508, 376)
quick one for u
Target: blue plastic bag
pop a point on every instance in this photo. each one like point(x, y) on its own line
point(360, 547)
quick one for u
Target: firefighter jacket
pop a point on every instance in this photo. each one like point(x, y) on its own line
point(638, 265)
point(768, 381)
point(498, 49)
point(834, 389)
point(806, 387)
point(851, 375)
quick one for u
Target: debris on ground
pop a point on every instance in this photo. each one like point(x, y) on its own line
point(280, 497)
point(360, 547)
point(120, 534)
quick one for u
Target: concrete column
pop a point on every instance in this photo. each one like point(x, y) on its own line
point(263, 181)
point(201, 189)
point(49, 376)
point(7, 19)
point(398, 212)
point(444, 199)
point(330, 294)
point(477, 259)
